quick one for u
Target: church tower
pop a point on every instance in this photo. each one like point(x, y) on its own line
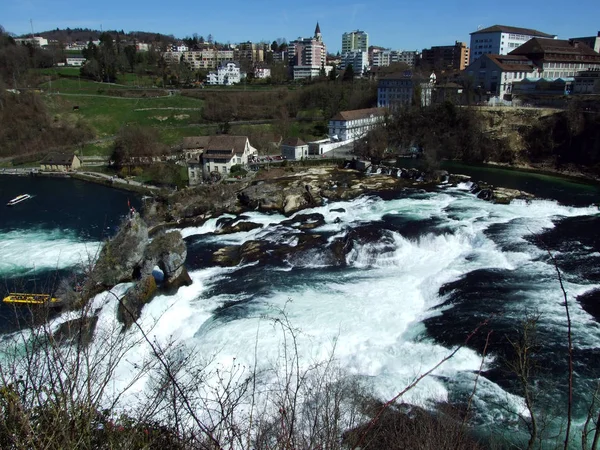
point(318, 33)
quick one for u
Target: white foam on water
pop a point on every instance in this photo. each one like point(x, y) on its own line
point(371, 313)
point(30, 251)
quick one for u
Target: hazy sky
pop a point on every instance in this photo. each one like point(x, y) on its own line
point(397, 24)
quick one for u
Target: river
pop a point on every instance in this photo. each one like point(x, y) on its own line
point(425, 269)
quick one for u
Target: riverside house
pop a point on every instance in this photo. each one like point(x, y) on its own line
point(60, 162)
point(294, 149)
point(351, 125)
point(207, 155)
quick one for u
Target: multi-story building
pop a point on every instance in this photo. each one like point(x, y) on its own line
point(558, 58)
point(200, 59)
point(307, 56)
point(445, 57)
point(77, 61)
point(495, 74)
point(398, 89)
point(387, 57)
point(359, 61)
point(248, 51)
point(355, 40)
point(227, 74)
point(592, 41)
point(373, 51)
point(587, 82)
point(279, 57)
point(501, 40)
point(355, 124)
point(36, 41)
point(206, 155)
point(262, 72)
point(537, 58)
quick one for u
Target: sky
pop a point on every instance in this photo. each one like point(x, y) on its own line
point(397, 24)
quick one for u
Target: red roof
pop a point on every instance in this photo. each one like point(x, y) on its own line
point(218, 143)
point(514, 30)
point(359, 114)
point(512, 63)
point(555, 48)
point(293, 142)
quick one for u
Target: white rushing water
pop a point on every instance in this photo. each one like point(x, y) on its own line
point(368, 315)
point(30, 251)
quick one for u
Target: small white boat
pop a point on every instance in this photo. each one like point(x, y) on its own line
point(19, 199)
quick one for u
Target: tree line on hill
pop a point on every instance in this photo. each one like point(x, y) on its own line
point(26, 127)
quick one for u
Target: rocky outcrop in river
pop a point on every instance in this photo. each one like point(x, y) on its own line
point(131, 257)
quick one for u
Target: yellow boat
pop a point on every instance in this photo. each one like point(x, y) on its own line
point(30, 299)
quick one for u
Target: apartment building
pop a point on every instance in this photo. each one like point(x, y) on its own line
point(227, 74)
point(445, 57)
point(387, 57)
point(399, 89)
point(501, 40)
point(359, 60)
point(307, 56)
point(248, 51)
point(36, 41)
point(556, 58)
point(200, 59)
point(354, 124)
point(355, 40)
point(538, 58)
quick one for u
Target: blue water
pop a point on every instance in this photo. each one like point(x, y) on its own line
point(52, 234)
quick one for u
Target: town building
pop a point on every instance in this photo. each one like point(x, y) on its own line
point(262, 72)
point(501, 40)
point(373, 51)
point(359, 60)
point(386, 58)
point(180, 48)
point(207, 155)
point(308, 56)
point(355, 40)
point(445, 57)
point(250, 52)
point(540, 87)
point(495, 74)
point(279, 57)
point(587, 82)
point(294, 149)
point(36, 41)
point(60, 162)
point(538, 58)
point(227, 74)
point(352, 125)
point(558, 58)
point(592, 41)
point(76, 61)
point(200, 59)
point(398, 89)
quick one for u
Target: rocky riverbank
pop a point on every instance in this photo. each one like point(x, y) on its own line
point(290, 191)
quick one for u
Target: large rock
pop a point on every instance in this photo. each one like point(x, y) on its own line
point(167, 251)
point(237, 227)
point(305, 221)
point(119, 257)
point(80, 330)
point(130, 306)
point(505, 195)
point(263, 196)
